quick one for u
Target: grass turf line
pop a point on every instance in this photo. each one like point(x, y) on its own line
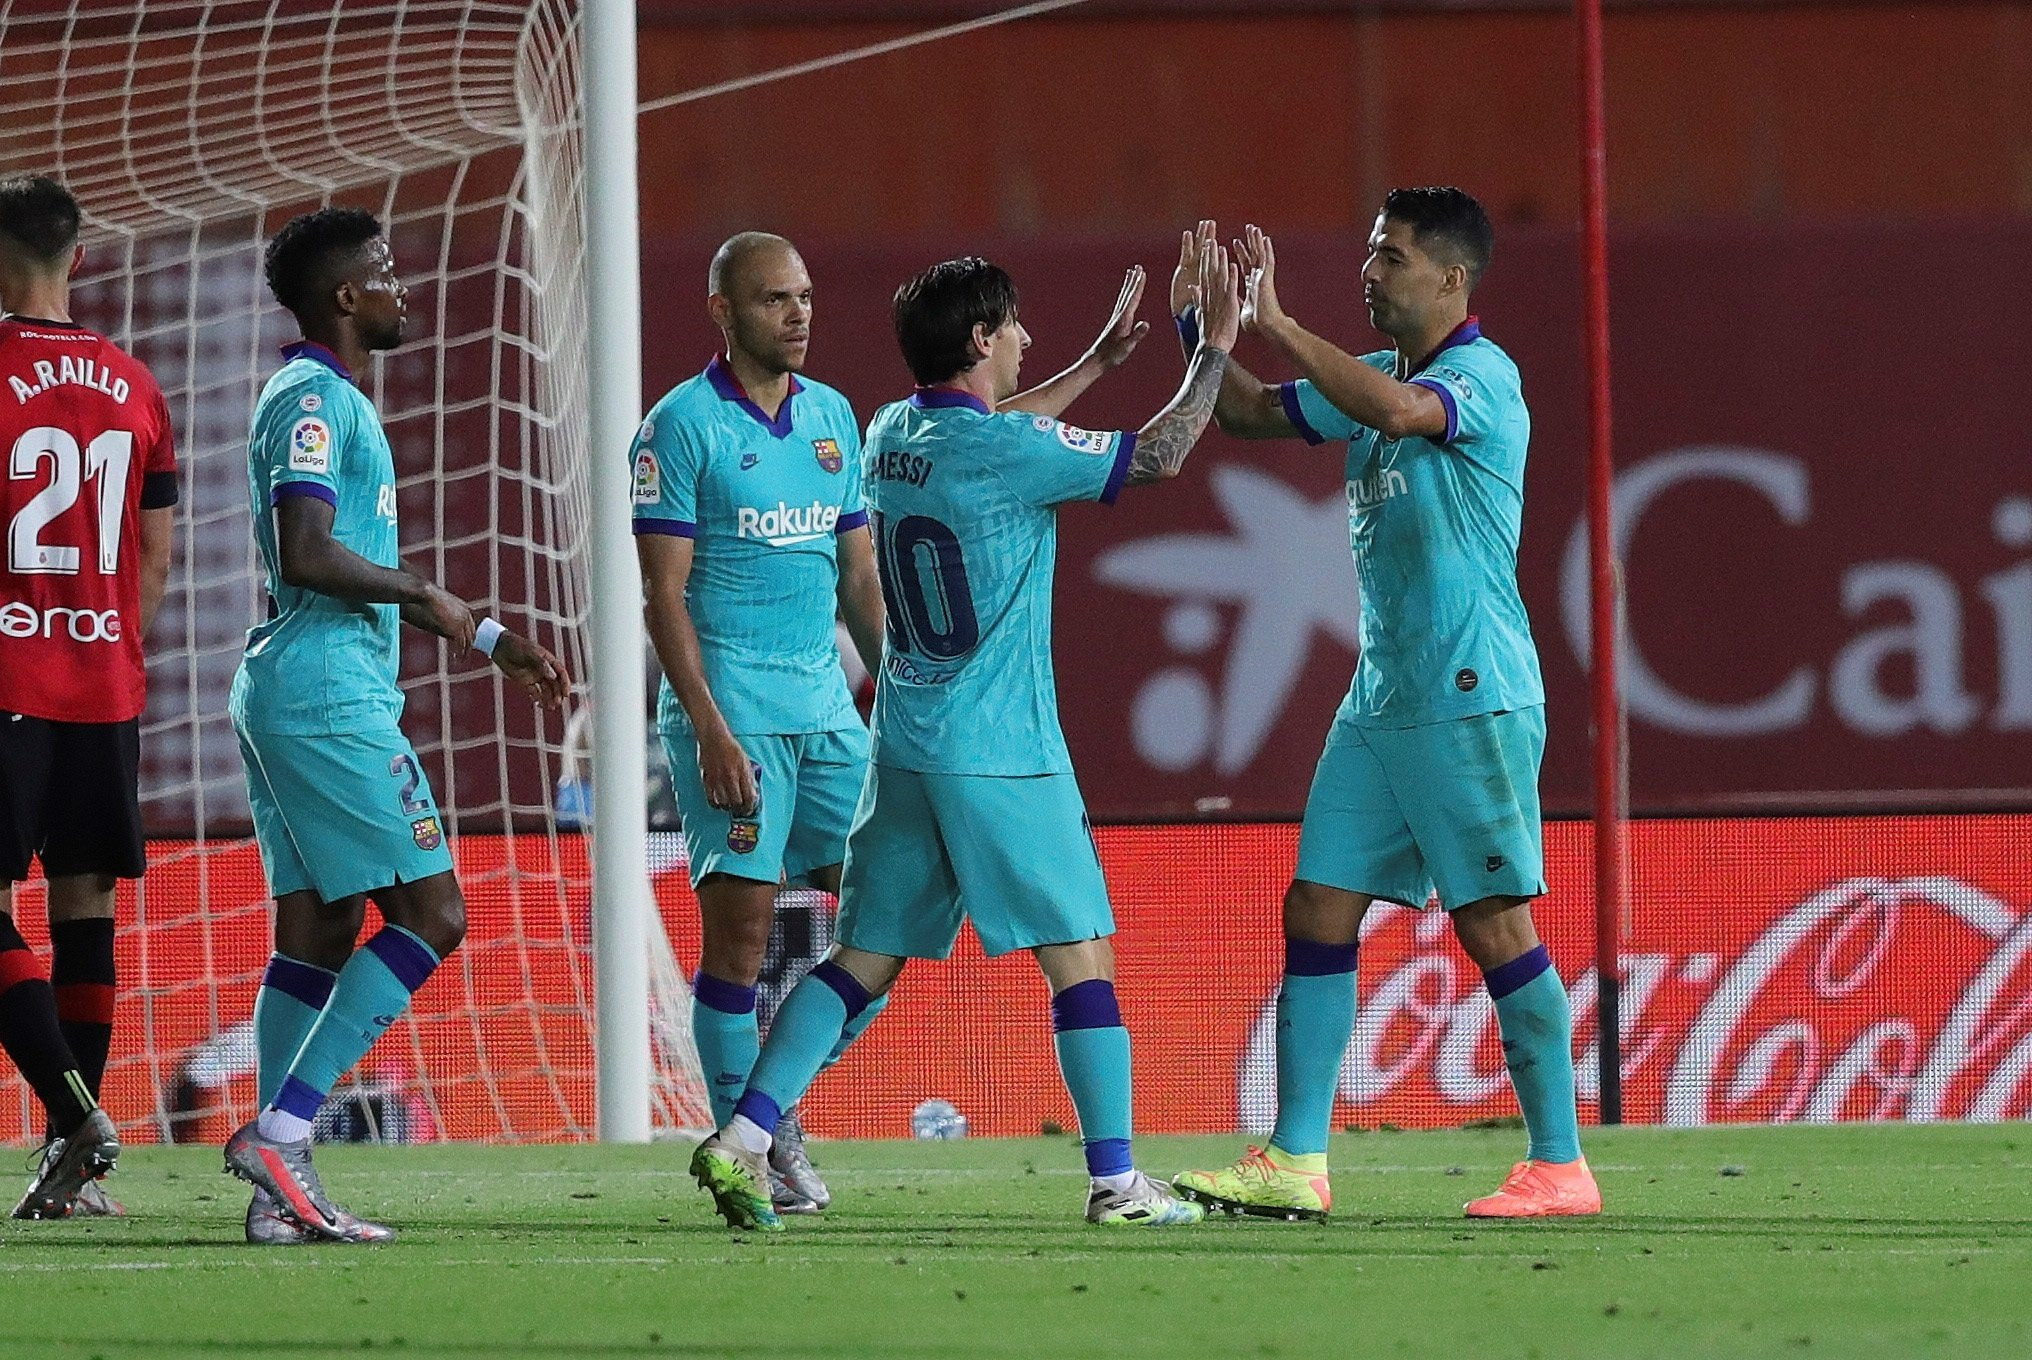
point(1849, 1241)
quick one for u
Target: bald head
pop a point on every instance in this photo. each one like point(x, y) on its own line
point(738, 254)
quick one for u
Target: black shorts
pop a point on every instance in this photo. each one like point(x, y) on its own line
point(70, 796)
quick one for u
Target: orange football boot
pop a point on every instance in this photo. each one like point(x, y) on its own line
point(1542, 1190)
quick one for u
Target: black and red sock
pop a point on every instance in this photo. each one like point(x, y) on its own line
point(32, 1036)
point(81, 973)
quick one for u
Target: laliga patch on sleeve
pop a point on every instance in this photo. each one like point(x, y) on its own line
point(648, 479)
point(1084, 441)
point(310, 446)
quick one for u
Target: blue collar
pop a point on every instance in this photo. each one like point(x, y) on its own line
point(729, 388)
point(938, 398)
point(312, 350)
point(1466, 333)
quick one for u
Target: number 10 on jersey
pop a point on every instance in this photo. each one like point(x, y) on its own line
point(924, 579)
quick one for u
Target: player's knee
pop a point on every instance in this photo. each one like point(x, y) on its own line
point(1495, 930)
point(447, 922)
point(733, 956)
point(1313, 911)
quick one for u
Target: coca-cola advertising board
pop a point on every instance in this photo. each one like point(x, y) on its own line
point(1775, 969)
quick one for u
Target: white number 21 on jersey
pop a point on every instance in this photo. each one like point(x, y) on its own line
point(106, 458)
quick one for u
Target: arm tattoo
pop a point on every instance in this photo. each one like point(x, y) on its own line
point(1161, 449)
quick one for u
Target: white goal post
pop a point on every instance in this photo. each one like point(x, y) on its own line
point(189, 132)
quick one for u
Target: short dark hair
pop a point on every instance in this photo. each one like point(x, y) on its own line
point(309, 257)
point(39, 215)
point(1448, 223)
point(936, 313)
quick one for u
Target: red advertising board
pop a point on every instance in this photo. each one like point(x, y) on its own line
point(1777, 969)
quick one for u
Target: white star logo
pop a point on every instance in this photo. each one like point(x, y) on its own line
point(1288, 568)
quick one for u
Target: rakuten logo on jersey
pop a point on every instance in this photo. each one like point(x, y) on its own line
point(786, 524)
point(1377, 487)
point(18, 620)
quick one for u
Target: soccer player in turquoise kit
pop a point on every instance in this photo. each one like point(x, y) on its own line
point(751, 533)
point(1430, 773)
point(971, 810)
point(341, 807)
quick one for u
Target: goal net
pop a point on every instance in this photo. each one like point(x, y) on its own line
point(190, 132)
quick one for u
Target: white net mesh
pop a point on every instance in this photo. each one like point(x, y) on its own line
point(190, 132)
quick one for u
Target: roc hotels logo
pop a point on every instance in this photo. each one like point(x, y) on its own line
point(786, 524)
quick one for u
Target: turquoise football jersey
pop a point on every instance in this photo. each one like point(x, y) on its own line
point(319, 664)
point(1434, 524)
point(764, 502)
point(966, 532)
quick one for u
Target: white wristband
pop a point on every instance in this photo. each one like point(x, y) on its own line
point(485, 636)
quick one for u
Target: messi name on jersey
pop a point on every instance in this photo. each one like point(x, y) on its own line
point(897, 466)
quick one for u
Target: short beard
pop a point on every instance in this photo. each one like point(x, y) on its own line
point(771, 358)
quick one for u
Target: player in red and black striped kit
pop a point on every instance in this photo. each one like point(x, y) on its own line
point(85, 527)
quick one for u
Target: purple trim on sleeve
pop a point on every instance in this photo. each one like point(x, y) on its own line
point(318, 490)
point(676, 528)
point(1446, 399)
point(158, 490)
point(936, 398)
point(850, 522)
point(1119, 473)
point(1288, 394)
point(312, 350)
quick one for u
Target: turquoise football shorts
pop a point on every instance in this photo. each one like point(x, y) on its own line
point(1014, 855)
point(342, 814)
point(810, 783)
point(1396, 812)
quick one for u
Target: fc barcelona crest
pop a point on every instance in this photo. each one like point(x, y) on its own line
point(828, 451)
point(429, 835)
point(743, 836)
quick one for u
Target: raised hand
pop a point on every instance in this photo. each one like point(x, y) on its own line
point(1258, 256)
point(1220, 304)
point(1118, 340)
point(1185, 278)
point(530, 665)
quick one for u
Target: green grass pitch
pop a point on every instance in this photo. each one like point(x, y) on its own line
point(1799, 1242)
